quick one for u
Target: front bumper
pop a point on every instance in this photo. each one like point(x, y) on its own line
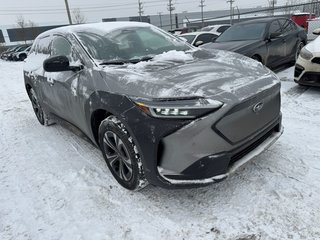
point(307, 72)
point(217, 167)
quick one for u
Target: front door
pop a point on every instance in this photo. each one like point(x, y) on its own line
point(63, 94)
point(276, 47)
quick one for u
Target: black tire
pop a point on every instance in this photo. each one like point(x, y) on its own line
point(298, 50)
point(257, 58)
point(41, 116)
point(22, 57)
point(121, 154)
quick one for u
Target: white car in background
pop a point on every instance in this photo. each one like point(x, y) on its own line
point(21, 55)
point(216, 29)
point(307, 69)
point(199, 38)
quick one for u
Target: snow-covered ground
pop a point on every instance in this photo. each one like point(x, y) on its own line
point(55, 185)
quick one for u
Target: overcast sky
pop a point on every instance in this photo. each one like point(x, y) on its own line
point(53, 11)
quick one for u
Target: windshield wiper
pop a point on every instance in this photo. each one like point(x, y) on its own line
point(123, 61)
point(141, 59)
point(114, 62)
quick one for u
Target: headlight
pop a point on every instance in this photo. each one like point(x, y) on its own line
point(181, 108)
point(306, 54)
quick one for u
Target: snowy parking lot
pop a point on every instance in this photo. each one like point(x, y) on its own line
point(55, 185)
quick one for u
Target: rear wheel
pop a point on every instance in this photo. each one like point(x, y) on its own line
point(121, 154)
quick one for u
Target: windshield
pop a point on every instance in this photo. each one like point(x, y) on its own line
point(124, 45)
point(189, 38)
point(241, 32)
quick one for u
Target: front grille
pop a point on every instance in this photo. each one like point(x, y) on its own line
point(316, 60)
point(236, 157)
point(298, 70)
point(241, 122)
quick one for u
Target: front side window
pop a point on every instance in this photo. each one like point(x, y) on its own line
point(275, 27)
point(189, 38)
point(129, 43)
point(206, 38)
point(62, 47)
point(43, 45)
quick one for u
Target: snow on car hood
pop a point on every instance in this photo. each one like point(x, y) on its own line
point(199, 73)
point(314, 46)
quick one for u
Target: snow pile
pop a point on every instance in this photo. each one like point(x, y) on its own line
point(55, 185)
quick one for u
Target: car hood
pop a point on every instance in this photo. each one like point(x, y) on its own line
point(314, 46)
point(215, 74)
point(234, 46)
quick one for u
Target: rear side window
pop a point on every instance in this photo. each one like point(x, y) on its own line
point(287, 26)
point(206, 37)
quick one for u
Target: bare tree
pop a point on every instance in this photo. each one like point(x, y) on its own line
point(22, 23)
point(78, 16)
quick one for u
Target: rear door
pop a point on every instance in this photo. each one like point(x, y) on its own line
point(290, 34)
point(276, 47)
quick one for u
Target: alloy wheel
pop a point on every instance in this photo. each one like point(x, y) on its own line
point(118, 156)
point(36, 106)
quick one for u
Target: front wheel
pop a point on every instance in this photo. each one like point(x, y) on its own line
point(121, 154)
point(41, 116)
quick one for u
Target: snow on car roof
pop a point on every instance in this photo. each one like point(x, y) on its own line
point(102, 26)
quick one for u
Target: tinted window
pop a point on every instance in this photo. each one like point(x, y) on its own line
point(275, 27)
point(206, 37)
point(222, 29)
point(240, 32)
point(287, 26)
point(43, 45)
point(189, 38)
point(60, 46)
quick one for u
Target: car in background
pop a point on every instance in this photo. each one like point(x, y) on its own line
point(216, 29)
point(21, 54)
point(5, 54)
point(271, 41)
point(199, 38)
point(160, 110)
point(307, 69)
point(11, 55)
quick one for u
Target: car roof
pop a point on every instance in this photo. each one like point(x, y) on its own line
point(196, 33)
point(102, 26)
point(263, 20)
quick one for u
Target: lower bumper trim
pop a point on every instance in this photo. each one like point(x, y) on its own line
point(234, 167)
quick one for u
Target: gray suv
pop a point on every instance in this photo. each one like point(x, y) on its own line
point(160, 110)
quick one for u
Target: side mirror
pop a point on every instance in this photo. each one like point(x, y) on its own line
point(316, 31)
point(199, 43)
point(59, 64)
point(274, 35)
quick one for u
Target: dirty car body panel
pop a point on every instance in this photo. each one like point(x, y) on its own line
point(176, 152)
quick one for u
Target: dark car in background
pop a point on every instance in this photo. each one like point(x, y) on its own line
point(160, 110)
point(271, 41)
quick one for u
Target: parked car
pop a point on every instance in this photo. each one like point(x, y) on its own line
point(307, 69)
point(21, 54)
point(301, 19)
point(216, 29)
point(10, 55)
point(272, 41)
point(160, 110)
point(199, 38)
point(5, 54)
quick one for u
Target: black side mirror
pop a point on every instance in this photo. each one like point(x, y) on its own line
point(59, 64)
